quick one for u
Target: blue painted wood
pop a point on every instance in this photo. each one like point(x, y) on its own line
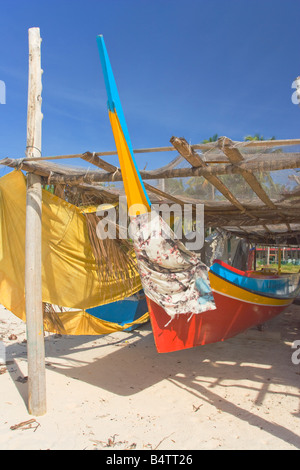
point(281, 287)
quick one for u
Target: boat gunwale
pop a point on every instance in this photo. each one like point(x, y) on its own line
point(290, 297)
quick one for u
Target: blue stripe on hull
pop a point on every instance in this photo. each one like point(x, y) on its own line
point(282, 287)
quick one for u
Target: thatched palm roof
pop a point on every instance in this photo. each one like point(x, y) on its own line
point(246, 201)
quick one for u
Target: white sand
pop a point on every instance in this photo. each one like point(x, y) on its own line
point(116, 392)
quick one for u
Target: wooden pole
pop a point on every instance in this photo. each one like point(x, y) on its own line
point(33, 237)
point(279, 260)
point(268, 256)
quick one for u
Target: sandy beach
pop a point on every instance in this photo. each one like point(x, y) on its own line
point(116, 392)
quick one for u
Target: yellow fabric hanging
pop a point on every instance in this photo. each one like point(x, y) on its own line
point(69, 268)
point(82, 323)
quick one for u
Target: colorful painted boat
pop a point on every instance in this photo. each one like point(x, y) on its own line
point(242, 299)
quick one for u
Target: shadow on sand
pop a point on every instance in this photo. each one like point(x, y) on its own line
point(130, 364)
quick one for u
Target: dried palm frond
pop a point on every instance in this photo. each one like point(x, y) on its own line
point(115, 257)
point(52, 322)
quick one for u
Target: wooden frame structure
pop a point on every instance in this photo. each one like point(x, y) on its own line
point(263, 219)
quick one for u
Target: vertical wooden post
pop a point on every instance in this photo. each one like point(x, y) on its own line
point(279, 260)
point(33, 238)
point(268, 256)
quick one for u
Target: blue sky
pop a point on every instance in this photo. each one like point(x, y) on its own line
point(188, 68)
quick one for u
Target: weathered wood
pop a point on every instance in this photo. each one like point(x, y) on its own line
point(205, 147)
point(112, 168)
point(263, 211)
point(283, 239)
point(194, 159)
point(59, 175)
point(269, 164)
point(187, 151)
point(217, 207)
point(214, 218)
point(236, 221)
point(97, 161)
point(33, 237)
point(234, 156)
point(268, 143)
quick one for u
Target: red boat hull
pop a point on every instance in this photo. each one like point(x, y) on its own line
point(230, 318)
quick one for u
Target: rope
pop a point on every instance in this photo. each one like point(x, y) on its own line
point(19, 165)
point(114, 174)
point(33, 147)
point(49, 177)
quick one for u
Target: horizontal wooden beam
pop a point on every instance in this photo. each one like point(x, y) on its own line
point(268, 143)
point(266, 238)
point(92, 158)
point(270, 162)
point(97, 161)
point(204, 147)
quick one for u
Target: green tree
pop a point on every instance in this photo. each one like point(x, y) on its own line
point(214, 138)
point(174, 186)
point(256, 137)
point(199, 187)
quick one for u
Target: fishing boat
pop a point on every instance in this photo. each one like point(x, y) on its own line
point(243, 300)
point(189, 304)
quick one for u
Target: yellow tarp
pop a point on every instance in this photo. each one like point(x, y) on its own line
point(69, 268)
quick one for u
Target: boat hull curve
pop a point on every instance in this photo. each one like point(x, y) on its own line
point(236, 310)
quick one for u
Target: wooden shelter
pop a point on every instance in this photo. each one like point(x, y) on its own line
point(262, 218)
